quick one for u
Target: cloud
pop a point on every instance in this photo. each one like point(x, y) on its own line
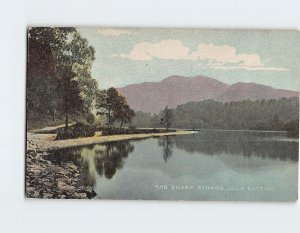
point(243, 67)
point(165, 49)
point(114, 32)
point(222, 57)
point(225, 57)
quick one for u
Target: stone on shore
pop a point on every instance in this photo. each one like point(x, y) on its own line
point(47, 180)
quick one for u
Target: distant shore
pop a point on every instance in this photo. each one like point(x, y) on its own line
point(46, 142)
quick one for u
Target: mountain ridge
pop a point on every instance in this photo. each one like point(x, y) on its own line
point(175, 90)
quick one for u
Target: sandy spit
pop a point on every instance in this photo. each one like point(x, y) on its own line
point(46, 142)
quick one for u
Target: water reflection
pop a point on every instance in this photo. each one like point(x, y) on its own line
point(205, 158)
point(167, 144)
point(95, 160)
point(111, 157)
point(264, 145)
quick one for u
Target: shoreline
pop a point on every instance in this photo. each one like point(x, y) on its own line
point(46, 142)
point(45, 180)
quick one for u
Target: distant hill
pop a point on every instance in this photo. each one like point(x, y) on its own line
point(175, 90)
point(253, 91)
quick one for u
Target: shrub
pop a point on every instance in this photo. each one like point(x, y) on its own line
point(76, 131)
point(90, 118)
point(115, 131)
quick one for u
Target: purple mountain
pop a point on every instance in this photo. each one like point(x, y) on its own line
point(175, 90)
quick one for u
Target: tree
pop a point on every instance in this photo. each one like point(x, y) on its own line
point(124, 114)
point(51, 52)
point(292, 128)
point(45, 47)
point(114, 106)
point(247, 114)
point(107, 103)
point(81, 59)
point(167, 117)
point(69, 93)
point(276, 123)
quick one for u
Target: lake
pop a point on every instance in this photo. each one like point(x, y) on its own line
point(210, 166)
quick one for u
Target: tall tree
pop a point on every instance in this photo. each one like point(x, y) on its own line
point(51, 52)
point(167, 117)
point(114, 107)
point(107, 103)
point(124, 113)
point(70, 94)
point(45, 46)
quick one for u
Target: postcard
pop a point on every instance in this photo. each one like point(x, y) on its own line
point(162, 114)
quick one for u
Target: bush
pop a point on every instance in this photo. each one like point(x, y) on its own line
point(90, 118)
point(115, 131)
point(76, 131)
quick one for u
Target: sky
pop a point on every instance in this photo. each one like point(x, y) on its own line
point(134, 55)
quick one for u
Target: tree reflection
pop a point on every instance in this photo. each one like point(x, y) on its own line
point(112, 157)
point(103, 159)
point(245, 143)
point(167, 143)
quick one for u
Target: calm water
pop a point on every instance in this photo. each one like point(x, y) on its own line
point(210, 165)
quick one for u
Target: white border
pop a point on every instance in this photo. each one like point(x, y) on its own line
point(20, 215)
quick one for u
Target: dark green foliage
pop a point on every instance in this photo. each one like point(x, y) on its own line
point(292, 127)
point(255, 115)
point(209, 114)
point(117, 131)
point(146, 120)
point(107, 104)
point(167, 118)
point(114, 107)
point(58, 63)
point(71, 99)
point(76, 131)
point(90, 118)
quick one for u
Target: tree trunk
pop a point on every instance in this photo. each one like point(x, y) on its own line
point(109, 120)
point(121, 124)
point(67, 121)
point(53, 115)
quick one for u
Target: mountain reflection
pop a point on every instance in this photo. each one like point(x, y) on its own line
point(242, 143)
point(167, 144)
point(101, 159)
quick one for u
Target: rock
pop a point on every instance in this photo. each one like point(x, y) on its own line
point(72, 166)
point(32, 153)
point(36, 194)
point(93, 194)
point(47, 180)
point(48, 195)
point(81, 195)
point(47, 183)
point(86, 189)
point(29, 189)
point(64, 187)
